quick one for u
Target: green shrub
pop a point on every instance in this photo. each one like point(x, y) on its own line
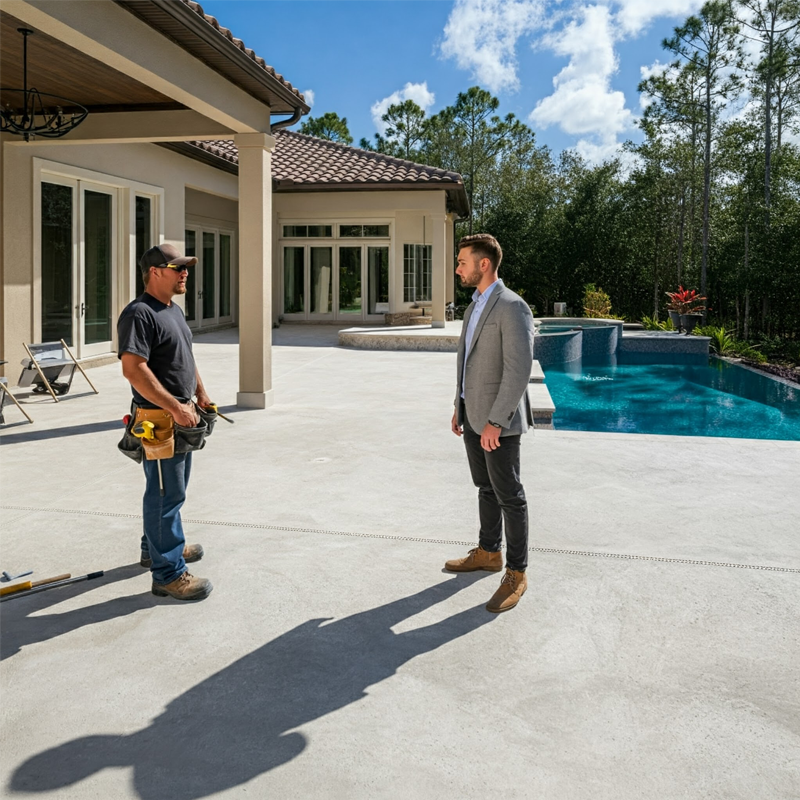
point(747, 350)
point(652, 324)
point(596, 303)
point(722, 342)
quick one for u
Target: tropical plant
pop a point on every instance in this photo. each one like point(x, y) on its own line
point(685, 302)
point(596, 303)
point(722, 342)
point(652, 324)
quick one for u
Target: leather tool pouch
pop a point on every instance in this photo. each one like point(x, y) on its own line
point(163, 446)
point(171, 438)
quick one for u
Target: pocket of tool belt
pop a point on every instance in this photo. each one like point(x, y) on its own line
point(163, 446)
point(189, 439)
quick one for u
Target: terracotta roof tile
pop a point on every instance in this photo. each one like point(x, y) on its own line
point(198, 9)
point(301, 160)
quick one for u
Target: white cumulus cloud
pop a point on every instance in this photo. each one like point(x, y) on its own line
point(583, 103)
point(482, 35)
point(309, 96)
point(635, 15)
point(418, 92)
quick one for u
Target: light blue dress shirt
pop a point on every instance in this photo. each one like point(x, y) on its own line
point(480, 301)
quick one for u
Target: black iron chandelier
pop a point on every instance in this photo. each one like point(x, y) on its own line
point(29, 113)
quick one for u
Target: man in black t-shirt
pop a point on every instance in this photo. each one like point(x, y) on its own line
point(155, 347)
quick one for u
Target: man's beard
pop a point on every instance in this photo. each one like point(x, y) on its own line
point(473, 279)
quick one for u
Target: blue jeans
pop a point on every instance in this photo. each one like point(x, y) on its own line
point(163, 537)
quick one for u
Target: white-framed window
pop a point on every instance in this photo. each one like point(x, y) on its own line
point(417, 272)
point(340, 279)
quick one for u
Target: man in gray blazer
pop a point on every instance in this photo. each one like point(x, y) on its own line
point(492, 411)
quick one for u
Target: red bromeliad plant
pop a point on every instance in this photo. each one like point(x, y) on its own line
point(685, 301)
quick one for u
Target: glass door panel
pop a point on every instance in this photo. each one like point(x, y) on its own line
point(293, 283)
point(377, 280)
point(224, 275)
point(144, 236)
point(321, 280)
point(97, 255)
point(350, 281)
point(191, 280)
point(209, 293)
point(57, 262)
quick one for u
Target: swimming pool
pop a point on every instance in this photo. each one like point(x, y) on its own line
point(713, 398)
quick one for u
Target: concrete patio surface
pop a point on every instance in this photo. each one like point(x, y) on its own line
point(655, 654)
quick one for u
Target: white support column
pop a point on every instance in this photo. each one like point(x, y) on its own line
point(439, 268)
point(255, 270)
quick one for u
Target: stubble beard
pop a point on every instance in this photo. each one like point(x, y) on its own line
point(471, 280)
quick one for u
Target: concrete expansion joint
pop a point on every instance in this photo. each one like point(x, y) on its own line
point(416, 539)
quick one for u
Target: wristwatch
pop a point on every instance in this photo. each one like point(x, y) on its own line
point(494, 424)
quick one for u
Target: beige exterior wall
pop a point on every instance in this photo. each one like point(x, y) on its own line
point(185, 190)
point(410, 214)
point(126, 166)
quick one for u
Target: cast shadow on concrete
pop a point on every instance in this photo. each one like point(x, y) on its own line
point(242, 721)
point(22, 625)
point(59, 433)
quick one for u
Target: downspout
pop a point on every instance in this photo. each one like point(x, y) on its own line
point(285, 123)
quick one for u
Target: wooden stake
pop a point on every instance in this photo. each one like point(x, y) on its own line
point(83, 372)
point(39, 370)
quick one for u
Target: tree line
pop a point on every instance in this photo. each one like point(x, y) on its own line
point(710, 197)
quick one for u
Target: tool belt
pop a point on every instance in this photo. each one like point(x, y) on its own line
point(153, 434)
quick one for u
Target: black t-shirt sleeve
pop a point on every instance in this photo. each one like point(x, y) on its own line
point(136, 332)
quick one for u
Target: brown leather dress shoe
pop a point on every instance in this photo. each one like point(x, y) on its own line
point(191, 553)
point(512, 587)
point(187, 587)
point(475, 560)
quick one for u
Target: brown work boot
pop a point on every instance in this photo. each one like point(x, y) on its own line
point(191, 553)
point(512, 587)
point(187, 587)
point(475, 560)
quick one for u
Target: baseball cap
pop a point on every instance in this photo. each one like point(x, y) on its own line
point(161, 255)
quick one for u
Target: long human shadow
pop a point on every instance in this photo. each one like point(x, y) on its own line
point(241, 722)
point(22, 625)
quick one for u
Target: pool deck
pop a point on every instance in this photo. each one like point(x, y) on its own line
point(655, 654)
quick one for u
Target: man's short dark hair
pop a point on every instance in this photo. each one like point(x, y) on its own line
point(484, 245)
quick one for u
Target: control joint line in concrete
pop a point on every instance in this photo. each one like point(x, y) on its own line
point(396, 538)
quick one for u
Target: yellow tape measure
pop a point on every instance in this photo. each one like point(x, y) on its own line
point(144, 430)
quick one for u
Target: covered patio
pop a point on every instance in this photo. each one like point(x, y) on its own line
point(149, 72)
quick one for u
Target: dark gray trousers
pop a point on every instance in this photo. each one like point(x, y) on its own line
point(501, 496)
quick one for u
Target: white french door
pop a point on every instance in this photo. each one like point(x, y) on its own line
point(342, 282)
point(79, 257)
point(210, 285)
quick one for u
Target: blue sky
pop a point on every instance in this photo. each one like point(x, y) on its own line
point(356, 56)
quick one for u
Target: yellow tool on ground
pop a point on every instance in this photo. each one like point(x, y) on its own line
point(27, 585)
point(213, 407)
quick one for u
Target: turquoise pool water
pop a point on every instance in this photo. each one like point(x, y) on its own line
point(714, 399)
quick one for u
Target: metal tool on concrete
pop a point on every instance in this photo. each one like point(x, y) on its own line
point(24, 589)
point(28, 585)
point(6, 577)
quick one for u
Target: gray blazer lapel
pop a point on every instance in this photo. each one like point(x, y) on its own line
point(462, 340)
point(490, 304)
